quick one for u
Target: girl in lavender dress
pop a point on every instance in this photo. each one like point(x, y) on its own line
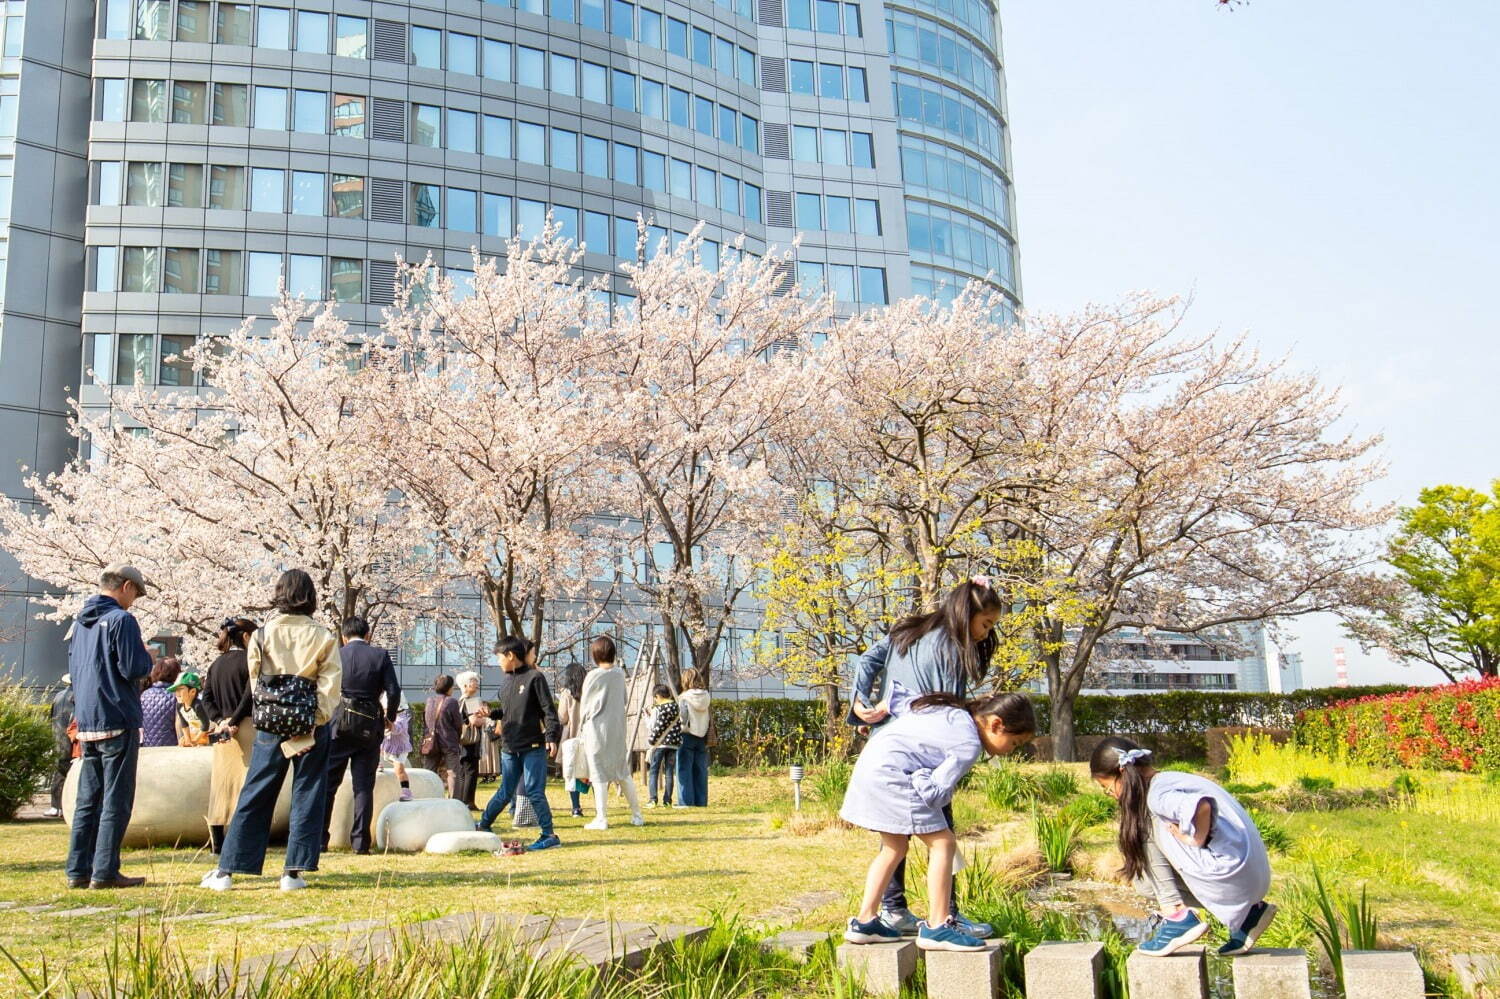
point(397, 745)
point(905, 777)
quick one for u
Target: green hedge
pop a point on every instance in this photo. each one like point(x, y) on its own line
point(1439, 728)
point(27, 750)
point(769, 731)
point(1192, 712)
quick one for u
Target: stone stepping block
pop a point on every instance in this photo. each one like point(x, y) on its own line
point(1056, 970)
point(358, 926)
point(250, 917)
point(469, 841)
point(1272, 974)
point(138, 913)
point(406, 826)
point(183, 917)
point(973, 974)
point(1382, 974)
point(600, 942)
point(1478, 975)
point(38, 908)
point(880, 968)
point(799, 945)
point(288, 924)
point(84, 910)
point(1182, 974)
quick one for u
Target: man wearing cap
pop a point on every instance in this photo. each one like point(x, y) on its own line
point(106, 659)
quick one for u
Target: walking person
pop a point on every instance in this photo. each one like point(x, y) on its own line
point(107, 657)
point(575, 772)
point(666, 738)
point(443, 722)
point(603, 734)
point(295, 672)
point(159, 705)
point(360, 723)
point(226, 698)
point(528, 731)
point(62, 743)
point(476, 716)
point(693, 706)
point(944, 652)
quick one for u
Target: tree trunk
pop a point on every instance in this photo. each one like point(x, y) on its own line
point(833, 718)
point(1064, 740)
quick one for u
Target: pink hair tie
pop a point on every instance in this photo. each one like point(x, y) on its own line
point(983, 581)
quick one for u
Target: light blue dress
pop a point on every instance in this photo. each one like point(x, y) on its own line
point(930, 665)
point(910, 768)
point(1232, 871)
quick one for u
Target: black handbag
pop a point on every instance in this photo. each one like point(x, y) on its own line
point(285, 704)
point(359, 720)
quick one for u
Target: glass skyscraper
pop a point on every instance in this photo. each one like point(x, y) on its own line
point(174, 160)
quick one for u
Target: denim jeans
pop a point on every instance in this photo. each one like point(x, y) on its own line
point(362, 761)
point(895, 892)
point(250, 830)
point(106, 797)
point(692, 771)
point(526, 770)
point(663, 767)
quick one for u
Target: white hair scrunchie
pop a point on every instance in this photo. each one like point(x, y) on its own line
point(1130, 757)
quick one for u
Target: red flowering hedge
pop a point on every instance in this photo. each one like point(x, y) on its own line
point(1437, 728)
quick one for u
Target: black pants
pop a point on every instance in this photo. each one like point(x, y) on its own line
point(362, 759)
point(895, 892)
point(466, 778)
point(60, 775)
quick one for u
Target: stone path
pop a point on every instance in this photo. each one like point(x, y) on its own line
point(798, 907)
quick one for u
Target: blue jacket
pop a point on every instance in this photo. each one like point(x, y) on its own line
point(107, 657)
point(929, 666)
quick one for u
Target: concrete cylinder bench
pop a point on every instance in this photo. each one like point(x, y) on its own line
point(406, 826)
point(424, 784)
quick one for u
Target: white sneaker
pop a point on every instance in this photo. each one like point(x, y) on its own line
point(53, 813)
point(598, 825)
point(292, 883)
point(214, 881)
point(650, 804)
point(636, 820)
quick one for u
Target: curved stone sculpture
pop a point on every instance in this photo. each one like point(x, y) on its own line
point(463, 842)
point(424, 784)
point(171, 798)
point(406, 826)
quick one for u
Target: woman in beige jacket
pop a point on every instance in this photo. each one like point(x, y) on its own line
point(291, 642)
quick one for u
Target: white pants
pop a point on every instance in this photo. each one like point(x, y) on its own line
point(601, 793)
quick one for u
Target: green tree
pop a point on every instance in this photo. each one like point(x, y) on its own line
point(1441, 603)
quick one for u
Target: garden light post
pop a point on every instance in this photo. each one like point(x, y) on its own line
point(797, 774)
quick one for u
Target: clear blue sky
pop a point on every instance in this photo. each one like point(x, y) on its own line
point(1324, 175)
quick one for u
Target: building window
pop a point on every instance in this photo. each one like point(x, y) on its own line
point(497, 60)
point(530, 217)
point(677, 37)
point(106, 266)
point(531, 143)
point(805, 143)
point(624, 90)
point(595, 83)
point(349, 115)
point(859, 90)
point(564, 75)
point(867, 216)
point(226, 188)
point(841, 282)
point(304, 276)
point(263, 274)
point(703, 52)
point(625, 164)
point(682, 178)
point(426, 206)
point(274, 30)
point(312, 32)
point(221, 273)
point(497, 136)
point(143, 185)
point(835, 147)
point(653, 171)
point(747, 67)
point(180, 271)
point(348, 280)
point(862, 149)
point(497, 219)
point(749, 134)
point(141, 270)
point(703, 116)
point(626, 233)
point(111, 101)
point(195, 21)
point(270, 108)
point(133, 360)
point(809, 212)
point(175, 369)
point(116, 19)
point(349, 36)
point(564, 150)
point(622, 19)
point(463, 210)
point(308, 196)
point(148, 101)
point(831, 80)
point(531, 67)
point(426, 125)
point(752, 202)
point(233, 25)
point(872, 289)
point(267, 190)
point(801, 77)
point(596, 232)
point(593, 14)
point(463, 131)
point(310, 111)
point(650, 28)
point(827, 16)
point(109, 183)
point(348, 196)
point(727, 118)
point(426, 47)
point(595, 156)
point(463, 54)
point(799, 15)
point(189, 103)
point(678, 102)
point(837, 214)
point(231, 104)
point(185, 185)
point(809, 277)
point(651, 99)
point(567, 222)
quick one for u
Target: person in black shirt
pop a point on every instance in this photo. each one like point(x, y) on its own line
point(529, 732)
point(226, 698)
point(358, 726)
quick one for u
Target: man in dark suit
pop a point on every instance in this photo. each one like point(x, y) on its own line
point(359, 724)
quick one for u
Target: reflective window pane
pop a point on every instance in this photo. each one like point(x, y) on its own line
point(226, 187)
point(497, 136)
point(347, 280)
point(185, 185)
point(348, 196)
point(233, 24)
point(195, 21)
point(497, 219)
point(310, 111)
point(349, 115)
point(267, 190)
point(463, 54)
point(312, 31)
point(263, 274)
point(143, 186)
point(148, 100)
point(463, 210)
point(426, 125)
point(349, 36)
point(304, 276)
point(274, 30)
point(221, 272)
point(189, 102)
point(231, 104)
point(463, 131)
point(308, 195)
point(176, 369)
point(426, 47)
point(426, 205)
point(180, 272)
point(270, 108)
point(141, 269)
point(133, 360)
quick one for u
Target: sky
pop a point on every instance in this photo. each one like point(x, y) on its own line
point(1320, 175)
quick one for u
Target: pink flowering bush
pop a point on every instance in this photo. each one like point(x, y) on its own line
point(1456, 727)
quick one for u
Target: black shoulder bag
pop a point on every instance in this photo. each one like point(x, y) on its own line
point(286, 704)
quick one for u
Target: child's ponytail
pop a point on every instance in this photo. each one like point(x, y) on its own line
point(963, 603)
point(1122, 758)
point(1015, 712)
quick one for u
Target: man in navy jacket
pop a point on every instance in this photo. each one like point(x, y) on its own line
point(368, 673)
point(106, 659)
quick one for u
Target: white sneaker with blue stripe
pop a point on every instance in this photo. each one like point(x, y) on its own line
point(945, 936)
point(1172, 934)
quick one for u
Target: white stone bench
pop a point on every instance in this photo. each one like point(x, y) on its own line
point(406, 826)
point(424, 784)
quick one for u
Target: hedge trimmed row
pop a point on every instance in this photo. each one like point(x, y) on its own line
point(1437, 728)
point(1192, 712)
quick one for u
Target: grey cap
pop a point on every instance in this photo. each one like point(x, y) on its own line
point(129, 572)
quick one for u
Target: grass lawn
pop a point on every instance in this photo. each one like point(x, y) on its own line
point(1431, 877)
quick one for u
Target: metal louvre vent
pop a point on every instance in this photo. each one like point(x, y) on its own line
point(386, 201)
point(387, 119)
point(771, 15)
point(779, 209)
point(382, 282)
point(786, 277)
point(388, 41)
point(773, 74)
point(778, 143)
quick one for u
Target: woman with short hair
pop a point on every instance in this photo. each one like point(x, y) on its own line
point(226, 698)
point(159, 705)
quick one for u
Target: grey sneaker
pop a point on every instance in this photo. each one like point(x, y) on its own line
point(900, 920)
point(982, 931)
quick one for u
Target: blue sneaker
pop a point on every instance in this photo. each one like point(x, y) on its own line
point(945, 937)
point(1242, 940)
point(979, 931)
point(1174, 933)
point(900, 920)
point(544, 843)
point(875, 931)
